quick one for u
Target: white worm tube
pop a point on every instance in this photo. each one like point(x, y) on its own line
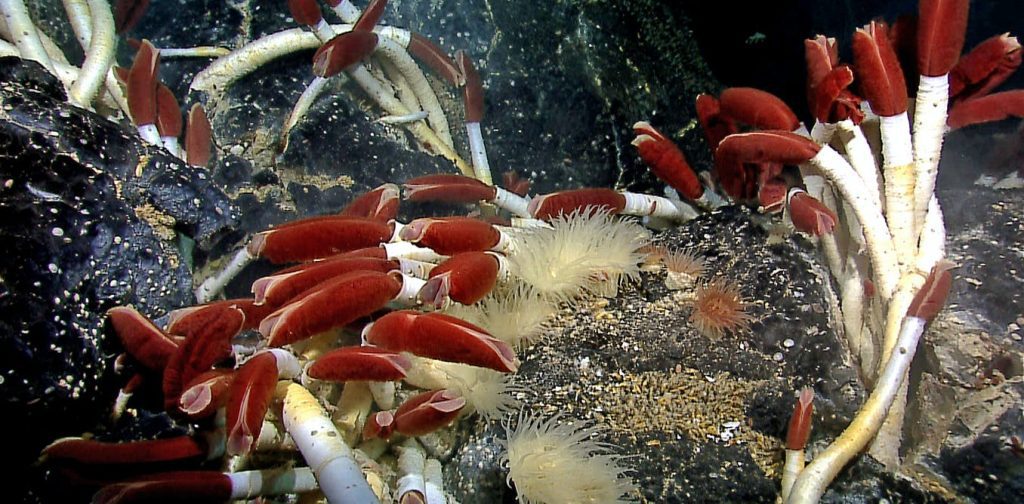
point(898, 169)
point(481, 167)
point(929, 128)
point(23, 31)
point(876, 233)
point(512, 202)
point(434, 482)
point(216, 283)
point(322, 447)
point(411, 460)
point(100, 55)
point(252, 484)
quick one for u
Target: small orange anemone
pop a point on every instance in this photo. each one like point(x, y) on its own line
point(718, 308)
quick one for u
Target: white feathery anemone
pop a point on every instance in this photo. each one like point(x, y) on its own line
point(516, 316)
point(489, 392)
point(588, 251)
point(551, 463)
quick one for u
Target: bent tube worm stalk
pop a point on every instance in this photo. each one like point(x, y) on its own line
point(24, 33)
point(815, 478)
point(100, 54)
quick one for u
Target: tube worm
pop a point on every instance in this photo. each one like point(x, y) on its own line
point(928, 301)
point(883, 85)
point(379, 425)
point(362, 363)
point(371, 15)
point(942, 26)
point(461, 189)
point(198, 137)
point(994, 107)
point(434, 481)
point(206, 393)
point(142, 89)
point(141, 338)
point(411, 485)
point(797, 434)
point(89, 451)
point(334, 303)
point(465, 278)
point(168, 119)
point(185, 321)
point(345, 9)
point(715, 125)
point(808, 214)
point(987, 66)
point(549, 206)
point(251, 392)
point(99, 55)
point(428, 411)
point(284, 286)
point(668, 163)
point(434, 57)
point(473, 99)
point(757, 108)
point(201, 349)
point(440, 337)
point(453, 235)
point(323, 448)
point(28, 42)
point(307, 12)
point(317, 237)
point(379, 204)
point(790, 148)
point(828, 96)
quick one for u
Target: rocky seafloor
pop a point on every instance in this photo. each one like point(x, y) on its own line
point(84, 228)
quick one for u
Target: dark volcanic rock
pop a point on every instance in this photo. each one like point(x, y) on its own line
point(88, 221)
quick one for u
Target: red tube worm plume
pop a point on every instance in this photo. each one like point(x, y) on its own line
point(771, 195)
point(451, 235)
point(371, 15)
point(249, 399)
point(362, 363)
point(88, 451)
point(473, 90)
point(666, 161)
point(168, 112)
point(757, 108)
point(515, 184)
point(426, 412)
point(185, 321)
point(305, 12)
point(127, 14)
point(141, 338)
point(334, 303)
point(448, 188)
point(808, 214)
point(827, 82)
point(882, 82)
point(442, 337)
point(718, 308)
point(198, 137)
point(932, 297)
point(142, 84)
point(942, 25)
point(715, 125)
point(434, 57)
point(379, 204)
point(766, 147)
point(318, 237)
point(205, 394)
point(342, 52)
point(379, 425)
point(185, 486)
point(284, 286)
point(799, 430)
point(550, 206)
point(994, 107)
point(465, 278)
point(984, 68)
point(201, 349)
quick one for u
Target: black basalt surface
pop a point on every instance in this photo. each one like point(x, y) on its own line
point(75, 188)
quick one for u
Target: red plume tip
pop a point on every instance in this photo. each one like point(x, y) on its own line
point(878, 69)
point(799, 429)
point(305, 12)
point(932, 296)
point(473, 92)
point(942, 26)
point(343, 52)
